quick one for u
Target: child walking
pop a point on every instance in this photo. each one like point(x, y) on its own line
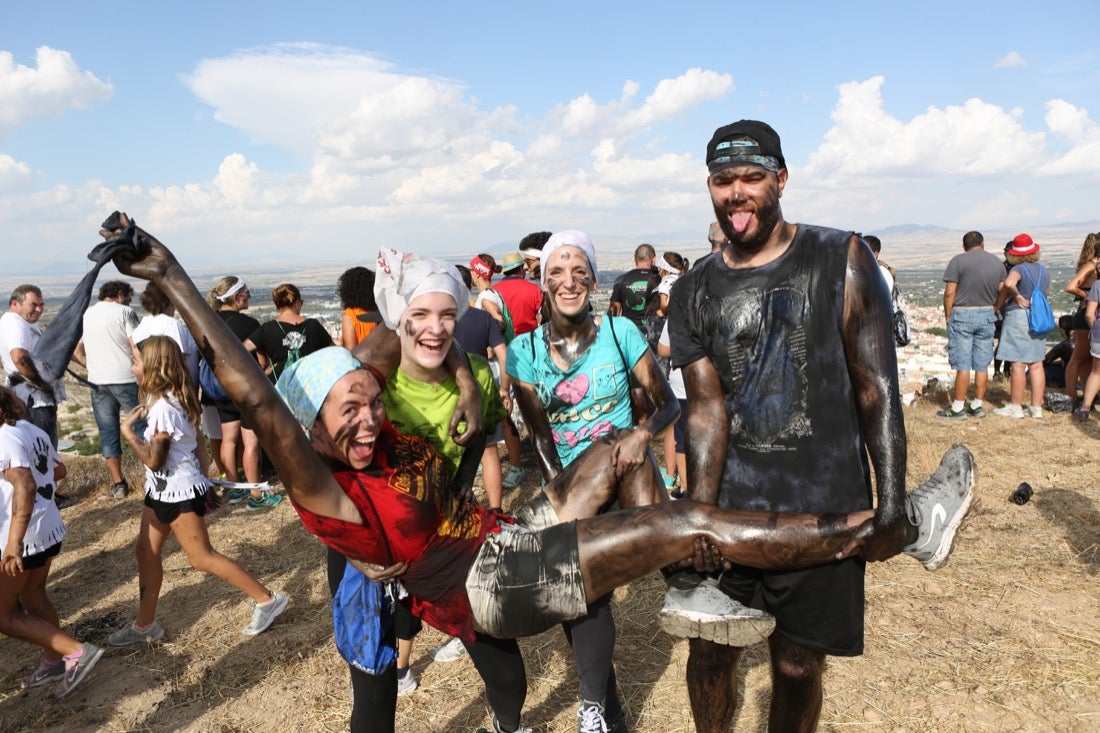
point(176, 493)
point(31, 531)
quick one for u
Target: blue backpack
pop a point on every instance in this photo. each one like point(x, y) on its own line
point(1040, 317)
point(211, 387)
point(362, 619)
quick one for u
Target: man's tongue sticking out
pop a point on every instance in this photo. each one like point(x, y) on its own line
point(740, 221)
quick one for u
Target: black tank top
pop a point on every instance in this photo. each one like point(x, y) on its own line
point(774, 335)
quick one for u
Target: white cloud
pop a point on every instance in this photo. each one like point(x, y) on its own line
point(56, 83)
point(13, 173)
point(973, 139)
point(1011, 205)
point(1010, 60)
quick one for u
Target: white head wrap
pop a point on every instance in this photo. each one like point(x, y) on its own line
point(666, 264)
point(569, 238)
point(233, 290)
point(402, 277)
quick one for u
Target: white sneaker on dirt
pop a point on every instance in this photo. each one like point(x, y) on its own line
point(705, 612)
point(590, 718)
point(128, 634)
point(406, 683)
point(263, 614)
point(452, 651)
point(1016, 412)
point(938, 506)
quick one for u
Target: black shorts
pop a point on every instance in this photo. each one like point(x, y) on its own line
point(820, 608)
point(39, 559)
point(228, 413)
point(167, 512)
point(1079, 322)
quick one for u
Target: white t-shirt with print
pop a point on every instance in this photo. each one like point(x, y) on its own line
point(181, 477)
point(24, 445)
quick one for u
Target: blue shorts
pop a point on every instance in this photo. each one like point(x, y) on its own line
point(108, 402)
point(970, 339)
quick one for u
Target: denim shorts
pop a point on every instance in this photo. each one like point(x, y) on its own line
point(526, 578)
point(970, 338)
point(108, 401)
point(1017, 344)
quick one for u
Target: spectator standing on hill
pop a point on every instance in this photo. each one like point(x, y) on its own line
point(356, 288)
point(1088, 267)
point(1018, 345)
point(19, 333)
point(633, 290)
point(107, 353)
point(973, 281)
point(531, 249)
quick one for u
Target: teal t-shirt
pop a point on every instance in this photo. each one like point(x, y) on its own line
point(592, 397)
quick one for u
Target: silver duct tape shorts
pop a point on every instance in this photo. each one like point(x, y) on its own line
point(527, 577)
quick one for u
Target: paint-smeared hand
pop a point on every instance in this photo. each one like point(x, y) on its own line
point(380, 573)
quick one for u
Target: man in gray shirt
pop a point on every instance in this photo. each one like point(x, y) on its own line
point(973, 280)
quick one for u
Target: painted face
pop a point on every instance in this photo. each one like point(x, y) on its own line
point(533, 267)
point(30, 310)
point(746, 202)
point(569, 280)
point(350, 420)
point(427, 328)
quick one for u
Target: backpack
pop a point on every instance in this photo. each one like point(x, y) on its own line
point(1040, 317)
point(362, 622)
point(211, 387)
point(508, 329)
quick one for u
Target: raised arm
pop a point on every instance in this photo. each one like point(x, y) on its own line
point(308, 481)
point(872, 367)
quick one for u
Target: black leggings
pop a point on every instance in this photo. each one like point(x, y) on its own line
point(374, 697)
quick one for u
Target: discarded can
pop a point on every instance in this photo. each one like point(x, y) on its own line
point(1022, 494)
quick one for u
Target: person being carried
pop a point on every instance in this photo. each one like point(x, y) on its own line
point(353, 478)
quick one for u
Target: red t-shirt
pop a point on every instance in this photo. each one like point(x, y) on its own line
point(524, 299)
point(411, 515)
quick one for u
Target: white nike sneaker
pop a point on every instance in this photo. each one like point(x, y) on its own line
point(938, 506)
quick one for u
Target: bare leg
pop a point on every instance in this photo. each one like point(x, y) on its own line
point(712, 684)
point(15, 621)
point(250, 459)
point(491, 477)
point(1037, 379)
point(962, 384)
point(36, 601)
point(150, 546)
point(190, 530)
point(796, 686)
point(1092, 386)
point(512, 443)
point(114, 468)
point(1016, 382)
point(231, 438)
point(981, 381)
point(1079, 363)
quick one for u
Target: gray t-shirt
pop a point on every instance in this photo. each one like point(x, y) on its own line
point(978, 275)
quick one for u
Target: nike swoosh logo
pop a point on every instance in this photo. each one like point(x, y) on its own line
point(938, 513)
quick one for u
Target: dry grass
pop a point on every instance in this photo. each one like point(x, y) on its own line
point(1004, 638)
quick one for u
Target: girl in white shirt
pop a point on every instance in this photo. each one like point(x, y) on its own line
point(31, 531)
point(177, 493)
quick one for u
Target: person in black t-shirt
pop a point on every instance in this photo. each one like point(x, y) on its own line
point(289, 336)
point(634, 290)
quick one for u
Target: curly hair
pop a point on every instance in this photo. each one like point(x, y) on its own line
point(11, 407)
point(154, 301)
point(356, 289)
point(164, 372)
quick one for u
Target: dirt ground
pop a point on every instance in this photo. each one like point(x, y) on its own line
point(1004, 638)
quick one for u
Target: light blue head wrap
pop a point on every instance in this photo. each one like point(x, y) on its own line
point(305, 384)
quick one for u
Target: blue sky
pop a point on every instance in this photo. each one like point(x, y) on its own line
point(243, 132)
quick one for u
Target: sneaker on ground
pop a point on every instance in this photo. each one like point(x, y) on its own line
point(1016, 412)
point(978, 411)
point(47, 672)
point(705, 612)
point(236, 496)
point(128, 634)
point(452, 651)
point(120, 490)
point(952, 413)
point(64, 501)
point(498, 729)
point(938, 506)
point(264, 502)
point(77, 669)
point(264, 613)
point(406, 683)
point(1035, 411)
point(590, 718)
point(513, 476)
